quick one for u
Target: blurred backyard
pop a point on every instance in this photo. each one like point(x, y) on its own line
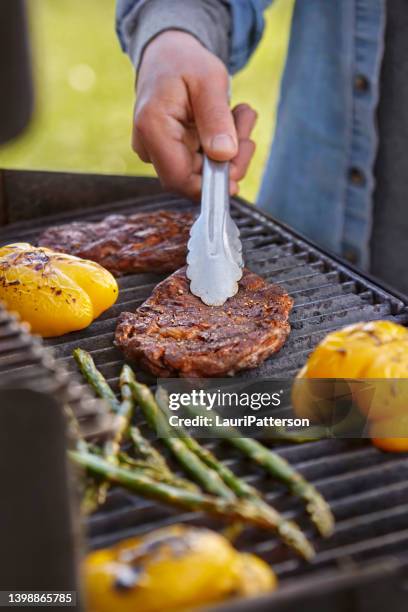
point(84, 91)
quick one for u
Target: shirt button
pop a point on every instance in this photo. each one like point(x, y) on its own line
point(356, 177)
point(361, 83)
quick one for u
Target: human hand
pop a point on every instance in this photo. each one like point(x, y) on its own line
point(182, 110)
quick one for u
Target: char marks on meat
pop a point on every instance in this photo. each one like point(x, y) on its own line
point(174, 333)
point(143, 242)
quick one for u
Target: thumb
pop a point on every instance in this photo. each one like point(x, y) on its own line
point(213, 118)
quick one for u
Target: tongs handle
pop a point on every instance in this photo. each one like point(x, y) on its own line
point(214, 259)
point(215, 201)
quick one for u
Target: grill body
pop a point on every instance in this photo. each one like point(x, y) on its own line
point(365, 564)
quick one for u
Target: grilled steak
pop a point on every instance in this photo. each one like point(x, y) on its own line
point(143, 242)
point(174, 333)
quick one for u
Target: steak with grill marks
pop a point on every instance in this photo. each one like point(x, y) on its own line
point(143, 242)
point(174, 333)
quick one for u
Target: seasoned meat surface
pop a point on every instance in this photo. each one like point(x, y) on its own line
point(143, 242)
point(174, 333)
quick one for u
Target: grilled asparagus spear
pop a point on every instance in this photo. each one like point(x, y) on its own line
point(146, 450)
point(96, 494)
point(278, 467)
point(236, 509)
point(156, 473)
point(206, 477)
point(90, 491)
point(316, 505)
point(185, 455)
point(143, 447)
point(120, 424)
point(123, 412)
point(289, 532)
point(95, 378)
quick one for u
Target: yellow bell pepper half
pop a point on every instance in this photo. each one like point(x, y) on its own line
point(376, 351)
point(55, 293)
point(174, 568)
point(347, 352)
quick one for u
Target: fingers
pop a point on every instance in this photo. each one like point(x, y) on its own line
point(138, 144)
point(240, 164)
point(177, 168)
point(161, 138)
point(173, 147)
point(212, 115)
point(245, 118)
point(233, 188)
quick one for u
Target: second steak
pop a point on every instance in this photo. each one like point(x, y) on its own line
point(174, 333)
point(143, 242)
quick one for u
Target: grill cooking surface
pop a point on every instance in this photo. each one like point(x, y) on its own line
point(25, 362)
point(367, 490)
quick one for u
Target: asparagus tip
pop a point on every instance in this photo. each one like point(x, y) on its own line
point(295, 538)
point(321, 515)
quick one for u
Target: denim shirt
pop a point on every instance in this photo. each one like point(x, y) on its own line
point(319, 175)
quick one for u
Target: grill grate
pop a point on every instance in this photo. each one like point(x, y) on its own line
point(25, 363)
point(367, 490)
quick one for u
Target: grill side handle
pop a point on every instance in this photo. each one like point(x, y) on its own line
point(38, 533)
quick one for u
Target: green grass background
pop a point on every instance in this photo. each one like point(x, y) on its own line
point(84, 91)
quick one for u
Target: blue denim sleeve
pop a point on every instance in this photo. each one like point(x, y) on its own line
point(247, 28)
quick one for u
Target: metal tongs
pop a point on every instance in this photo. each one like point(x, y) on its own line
point(214, 260)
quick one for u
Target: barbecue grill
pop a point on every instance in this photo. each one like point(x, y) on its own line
point(364, 566)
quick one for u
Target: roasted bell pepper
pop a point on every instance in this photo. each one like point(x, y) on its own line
point(174, 568)
point(346, 353)
point(376, 351)
point(55, 293)
point(384, 434)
